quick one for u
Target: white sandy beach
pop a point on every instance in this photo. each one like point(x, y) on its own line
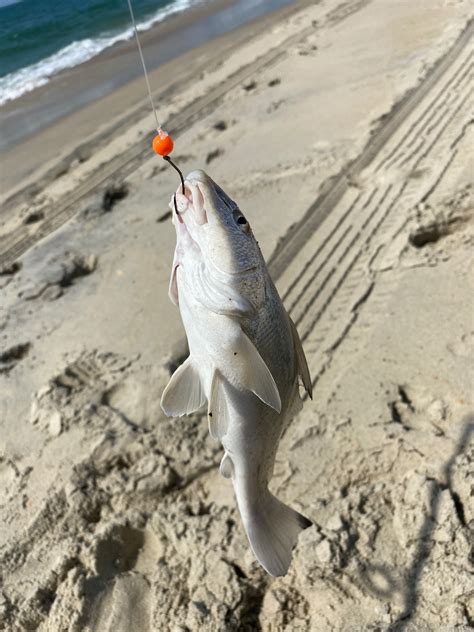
point(344, 131)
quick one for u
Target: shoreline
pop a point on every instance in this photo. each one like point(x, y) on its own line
point(74, 88)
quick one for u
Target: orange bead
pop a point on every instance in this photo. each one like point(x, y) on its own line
point(162, 144)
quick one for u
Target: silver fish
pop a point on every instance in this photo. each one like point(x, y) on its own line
point(245, 358)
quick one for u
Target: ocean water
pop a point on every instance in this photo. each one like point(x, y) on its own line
point(38, 38)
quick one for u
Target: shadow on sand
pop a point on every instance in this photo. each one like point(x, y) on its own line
point(409, 588)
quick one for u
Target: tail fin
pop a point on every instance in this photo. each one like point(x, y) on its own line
point(272, 529)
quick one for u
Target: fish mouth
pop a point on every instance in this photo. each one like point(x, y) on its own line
point(191, 196)
point(202, 204)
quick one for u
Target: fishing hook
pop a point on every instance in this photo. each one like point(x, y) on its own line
point(168, 159)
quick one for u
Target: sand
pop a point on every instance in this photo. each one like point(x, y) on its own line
point(344, 131)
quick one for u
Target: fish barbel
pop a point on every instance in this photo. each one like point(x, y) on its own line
point(245, 358)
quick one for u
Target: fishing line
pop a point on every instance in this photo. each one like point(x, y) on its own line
point(135, 30)
point(162, 143)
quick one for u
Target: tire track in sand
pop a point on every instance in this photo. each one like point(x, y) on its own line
point(322, 264)
point(324, 267)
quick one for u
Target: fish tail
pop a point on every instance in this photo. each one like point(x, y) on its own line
point(272, 529)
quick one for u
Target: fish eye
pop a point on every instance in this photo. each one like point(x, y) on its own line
point(240, 220)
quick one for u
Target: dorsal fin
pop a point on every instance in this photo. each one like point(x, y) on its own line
point(300, 358)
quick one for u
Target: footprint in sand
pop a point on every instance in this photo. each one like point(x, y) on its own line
point(220, 126)
point(10, 269)
point(275, 105)
point(119, 594)
point(34, 217)
point(212, 155)
point(113, 194)
point(7, 273)
point(59, 273)
point(251, 85)
point(11, 356)
point(104, 202)
point(76, 394)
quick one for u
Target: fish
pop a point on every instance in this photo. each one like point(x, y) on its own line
point(245, 362)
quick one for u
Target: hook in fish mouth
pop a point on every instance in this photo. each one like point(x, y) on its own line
point(169, 161)
point(192, 199)
point(183, 204)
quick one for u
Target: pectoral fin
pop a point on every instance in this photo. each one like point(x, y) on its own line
point(218, 411)
point(184, 393)
point(302, 365)
point(254, 374)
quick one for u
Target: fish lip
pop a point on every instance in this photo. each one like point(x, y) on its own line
point(196, 201)
point(198, 175)
point(183, 233)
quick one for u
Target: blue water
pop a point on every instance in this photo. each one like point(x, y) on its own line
point(41, 37)
point(34, 59)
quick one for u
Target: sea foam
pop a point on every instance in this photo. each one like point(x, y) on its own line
point(27, 79)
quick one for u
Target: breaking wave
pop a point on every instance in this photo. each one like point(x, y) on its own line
point(27, 79)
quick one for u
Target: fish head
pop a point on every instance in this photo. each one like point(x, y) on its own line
point(219, 257)
point(212, 221)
